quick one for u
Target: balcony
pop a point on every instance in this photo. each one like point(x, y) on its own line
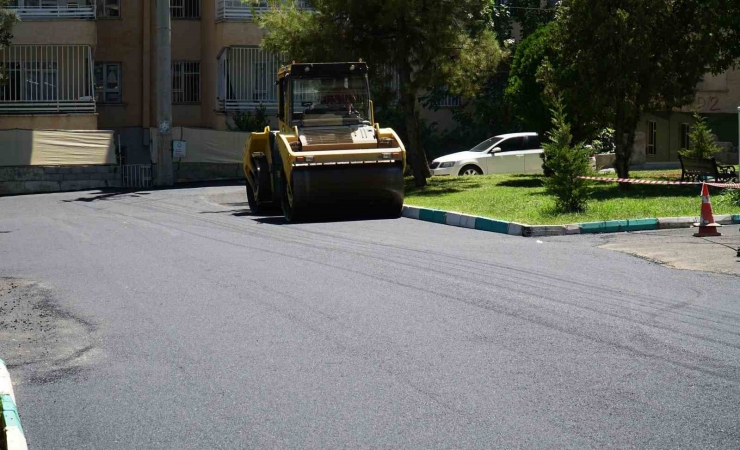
point(244, 11)
point(53, 9)
point(246, 79)
point(47, 79)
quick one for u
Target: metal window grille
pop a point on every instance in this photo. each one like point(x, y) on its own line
point(108, 82)
point(53, 9)
point(108, 8)
point(185, 9)
point(247, 78)
point(185, 82)
point(245, 10)
point(652, 137)
point(47, 78)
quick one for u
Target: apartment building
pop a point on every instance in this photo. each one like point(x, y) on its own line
point(717, 99)
point(91, 64)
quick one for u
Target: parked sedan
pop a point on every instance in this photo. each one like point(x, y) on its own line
point(507, 153)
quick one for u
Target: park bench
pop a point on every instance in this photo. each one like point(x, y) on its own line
point(695, 169)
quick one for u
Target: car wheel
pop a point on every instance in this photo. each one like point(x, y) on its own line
point(470, 170)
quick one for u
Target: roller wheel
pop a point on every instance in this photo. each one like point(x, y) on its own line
point(290, 211)
point(394, 210)
point(254, 207)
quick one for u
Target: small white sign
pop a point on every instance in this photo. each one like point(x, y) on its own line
point(164, 126)
point(178, 149)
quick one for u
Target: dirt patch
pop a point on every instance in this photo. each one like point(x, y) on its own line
point(38, 337)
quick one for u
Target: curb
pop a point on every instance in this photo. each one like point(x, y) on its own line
point(518, 229)
point(12, 436)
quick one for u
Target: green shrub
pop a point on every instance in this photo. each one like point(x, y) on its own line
point(729, 198)
point(604, 141)
point(702, 140)
point(566, 163)
point(248, 121)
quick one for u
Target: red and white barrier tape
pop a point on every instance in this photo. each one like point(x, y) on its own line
point(637, 181)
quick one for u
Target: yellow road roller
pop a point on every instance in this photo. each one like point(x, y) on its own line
point(328, 152)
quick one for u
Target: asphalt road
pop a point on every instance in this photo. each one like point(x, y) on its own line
point(176, 320)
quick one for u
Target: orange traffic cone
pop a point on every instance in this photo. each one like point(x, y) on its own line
point(706, 224)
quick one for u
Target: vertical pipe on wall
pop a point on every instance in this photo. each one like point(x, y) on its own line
point(146, 67)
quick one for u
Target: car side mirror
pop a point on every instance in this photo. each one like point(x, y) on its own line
point(496, 150)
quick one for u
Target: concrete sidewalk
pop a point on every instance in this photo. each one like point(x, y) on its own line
point(680, 249)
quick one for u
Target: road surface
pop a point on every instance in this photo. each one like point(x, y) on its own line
point(174, 320)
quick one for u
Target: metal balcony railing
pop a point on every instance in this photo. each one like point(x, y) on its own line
point(246, 79)
point(41, 10)
point(47, 79)
point(238, 10)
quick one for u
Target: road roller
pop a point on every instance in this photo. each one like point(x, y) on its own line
point(327, 154)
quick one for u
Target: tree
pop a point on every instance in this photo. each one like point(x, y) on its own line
point(702, 140)
point(567, 162)
point(249, 121)
point(523, 91)
point(621, 58)
point(8, 18)
point(530, 15)
point(428, 42)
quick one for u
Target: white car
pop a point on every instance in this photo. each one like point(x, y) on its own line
point(506, 153)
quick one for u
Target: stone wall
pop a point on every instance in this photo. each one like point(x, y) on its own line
point(37, 179)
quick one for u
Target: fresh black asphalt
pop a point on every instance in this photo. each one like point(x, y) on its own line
point(202, 326)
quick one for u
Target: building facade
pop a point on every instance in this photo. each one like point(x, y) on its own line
point(91, 64)
point(717, 99)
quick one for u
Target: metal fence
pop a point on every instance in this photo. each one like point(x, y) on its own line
point(45, 9)
point(247, 78)
point(245, 10)
point(137, 176)
point(47, 79)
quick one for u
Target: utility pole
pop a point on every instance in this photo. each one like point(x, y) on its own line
point(164, 95)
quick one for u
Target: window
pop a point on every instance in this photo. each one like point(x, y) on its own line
point(451, 101)
point(511, 144)
point(652, 137)
point(684, 133)
point(108, 8)
point(533, 143)
point(185, 82)
point(185, 9)
point(108, 82)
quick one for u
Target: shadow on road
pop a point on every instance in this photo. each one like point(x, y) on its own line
point(114, 193)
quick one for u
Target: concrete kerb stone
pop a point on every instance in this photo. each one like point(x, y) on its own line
point(6, 387)
point(12, 436)
point(723, 219)
point(667, 223)
point(410, 212)
point(517, 229)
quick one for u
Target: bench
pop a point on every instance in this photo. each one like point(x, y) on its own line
point(695, 169)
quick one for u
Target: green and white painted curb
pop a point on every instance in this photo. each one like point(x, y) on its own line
point(12, 436)
point(519, 229)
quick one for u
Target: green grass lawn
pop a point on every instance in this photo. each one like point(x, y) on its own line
point(522, 198)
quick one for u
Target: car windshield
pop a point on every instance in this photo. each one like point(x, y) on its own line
point(335, 100)
point(485, 145)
